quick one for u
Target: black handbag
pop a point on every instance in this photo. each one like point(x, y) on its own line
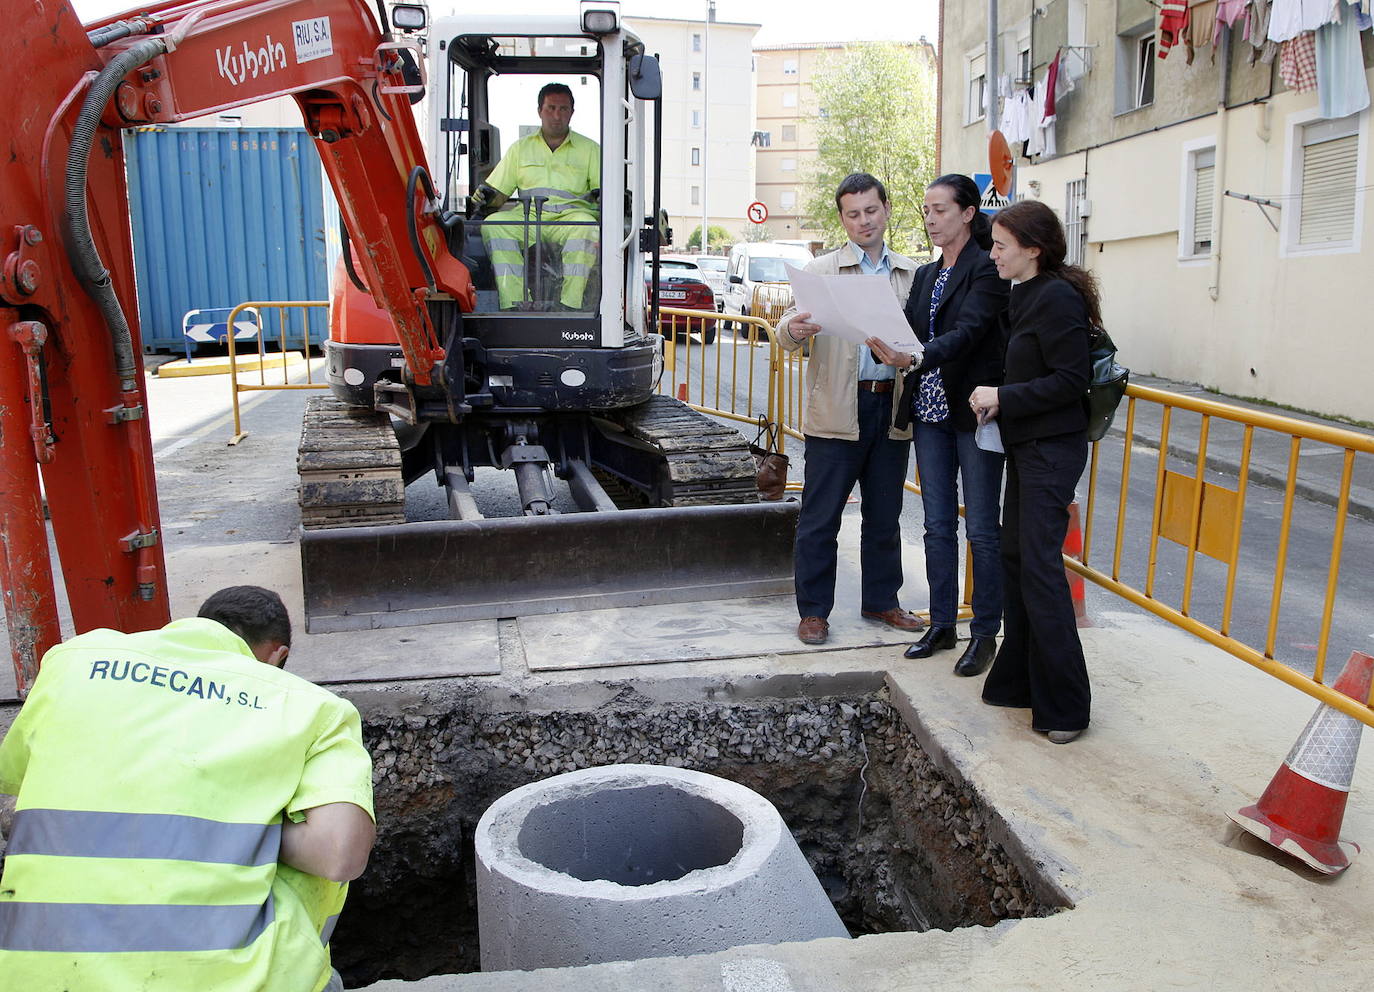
point(1106, 385)
point(771, 477)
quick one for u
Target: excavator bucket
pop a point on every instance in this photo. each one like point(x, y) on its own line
point(359, 578)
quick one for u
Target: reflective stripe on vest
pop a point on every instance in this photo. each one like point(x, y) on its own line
point(73, 928)
point(92, 834)
point(328, 930)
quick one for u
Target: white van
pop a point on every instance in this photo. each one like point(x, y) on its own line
point(756, 262)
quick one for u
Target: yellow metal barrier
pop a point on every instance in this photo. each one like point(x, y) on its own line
point(1206, 518)
point(236, 387)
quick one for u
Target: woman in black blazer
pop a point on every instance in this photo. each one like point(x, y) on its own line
point(953, 308)
point(1040, 409)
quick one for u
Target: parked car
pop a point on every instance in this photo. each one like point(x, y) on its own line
point(683, 286)
point(713, 268)
point(754, 263)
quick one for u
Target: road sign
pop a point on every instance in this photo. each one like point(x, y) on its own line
point(992, 200)
point(758, 212)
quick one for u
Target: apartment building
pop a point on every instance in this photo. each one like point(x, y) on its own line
point(708, 119)
point(1221, 199)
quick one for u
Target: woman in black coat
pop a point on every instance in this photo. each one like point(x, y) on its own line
point(953, 307)
point(1041, 411)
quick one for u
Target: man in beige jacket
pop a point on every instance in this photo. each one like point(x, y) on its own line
point(849, 432)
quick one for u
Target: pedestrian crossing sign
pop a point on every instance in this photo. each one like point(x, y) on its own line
point(992, 201)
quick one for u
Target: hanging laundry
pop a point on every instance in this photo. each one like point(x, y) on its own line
point(1228, 12)
point(1362, 14)
point(1342, 88)
point(1051, 79)
point(1298, 63)
point(1290, 18)
point(1173, 23)
point(1257, 33)
point(1202, 19)
point(1063, 84)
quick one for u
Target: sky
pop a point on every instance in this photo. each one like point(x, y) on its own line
point(784, 21)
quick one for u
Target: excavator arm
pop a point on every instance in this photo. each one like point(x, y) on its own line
point(72, 408)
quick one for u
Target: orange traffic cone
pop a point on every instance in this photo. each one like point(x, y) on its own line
point(682, 392)
point(1301, 811)
point(1073, 547)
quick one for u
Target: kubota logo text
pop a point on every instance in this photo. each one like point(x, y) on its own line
point(574, 336)
point(250, 63)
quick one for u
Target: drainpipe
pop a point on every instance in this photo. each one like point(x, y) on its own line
point(1219, 171)
point(990, 68)
point(939, 89)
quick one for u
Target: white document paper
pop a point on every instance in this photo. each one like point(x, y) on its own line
point(854, 307)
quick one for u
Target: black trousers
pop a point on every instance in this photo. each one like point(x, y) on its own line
point(1040, 663)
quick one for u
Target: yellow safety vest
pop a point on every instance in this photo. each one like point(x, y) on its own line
point(564, 174)
point(153, 772)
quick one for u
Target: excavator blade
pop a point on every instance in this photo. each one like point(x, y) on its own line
point(359, 578)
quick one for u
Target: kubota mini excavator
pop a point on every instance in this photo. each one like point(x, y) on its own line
point(427, 375)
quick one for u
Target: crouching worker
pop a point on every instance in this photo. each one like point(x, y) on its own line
point(188, 814)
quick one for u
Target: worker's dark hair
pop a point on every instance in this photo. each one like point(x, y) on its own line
point(256, 614)
point(1032, 224)
point(965, 193)
point(561, 88)
point(859, 182)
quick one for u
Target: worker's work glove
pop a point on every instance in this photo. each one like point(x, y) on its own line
point(480, 202)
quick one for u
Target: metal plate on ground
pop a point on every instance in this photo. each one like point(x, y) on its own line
point(356, 656)
point(723, 629)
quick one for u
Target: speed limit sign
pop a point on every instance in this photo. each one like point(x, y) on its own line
point(758, 212)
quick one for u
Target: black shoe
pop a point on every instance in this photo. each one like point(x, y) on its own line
point(976, 657)
point(934, 639)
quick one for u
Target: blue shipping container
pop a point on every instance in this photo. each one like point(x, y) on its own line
point(222, 216)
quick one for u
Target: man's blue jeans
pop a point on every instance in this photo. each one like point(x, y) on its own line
point(833, 466)
point(944, 456)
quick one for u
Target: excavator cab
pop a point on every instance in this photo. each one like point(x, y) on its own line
point(625, 496)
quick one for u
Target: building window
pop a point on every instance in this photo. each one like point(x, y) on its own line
point(976, 90)
point(789, 67)
point(1135, 76)
point(1195, 199)
point(1325, 170)
point(788, 199)
point(789, 99)
point(696, 156)
point(696, 81)
point(696, 118)
point(696, 196)
point(789, 165)
point(1076, 220)
point(789, 132)
point(1023, 62)
point(696, 42)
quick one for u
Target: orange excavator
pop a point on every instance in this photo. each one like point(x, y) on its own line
point(429, 373)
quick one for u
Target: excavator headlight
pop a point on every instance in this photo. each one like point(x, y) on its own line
point(409, 17)
point(600, 17)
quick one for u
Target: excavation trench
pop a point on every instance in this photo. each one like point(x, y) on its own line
point(896, 842)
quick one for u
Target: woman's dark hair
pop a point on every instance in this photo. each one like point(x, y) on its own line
point(1034, 225)
point(965, 193)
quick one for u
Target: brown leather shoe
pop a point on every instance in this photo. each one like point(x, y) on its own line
point(813, 630)
point(899, 618)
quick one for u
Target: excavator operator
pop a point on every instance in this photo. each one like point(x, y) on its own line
point(558, 174)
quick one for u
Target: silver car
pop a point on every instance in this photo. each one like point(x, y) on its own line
point(713, 270)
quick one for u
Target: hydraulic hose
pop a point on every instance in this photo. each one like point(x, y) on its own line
point(81, 247)
point(418, 175)
point(101, 37)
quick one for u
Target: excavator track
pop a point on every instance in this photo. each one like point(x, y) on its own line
point(708, 463)
point(350, 467)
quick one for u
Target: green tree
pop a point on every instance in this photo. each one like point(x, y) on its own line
point(719, 237)
point(875, 112)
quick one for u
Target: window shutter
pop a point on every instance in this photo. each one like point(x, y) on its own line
point(1327, 207)
point(1203, 188)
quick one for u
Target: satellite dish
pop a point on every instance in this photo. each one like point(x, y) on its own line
point(1000, 163)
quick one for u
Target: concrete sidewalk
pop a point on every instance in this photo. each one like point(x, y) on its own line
point(1129, 823)
point(1320, 465)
